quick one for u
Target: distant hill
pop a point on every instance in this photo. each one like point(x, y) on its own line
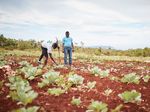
point(103, 47)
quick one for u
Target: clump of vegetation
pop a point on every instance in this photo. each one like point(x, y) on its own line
point(76, 101)
point(97, 106)
point(29, 109)
point(20, 90)
point(95, 71)
point(118, 108)
point(31, 72)
point(104, 73)
point(60, 81)
point(10, 44)
point(56, 91)
point(91, 85)
point(131, 96)
point(131, 78)
point(24, 63)
point(49, 78)
point(59, 66)
point(146, 78)
point(98, 72)
point(75, 79)
point(107, 92)
point(2, 63)
point(114, 78)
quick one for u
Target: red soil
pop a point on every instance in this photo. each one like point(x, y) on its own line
point(49, 103)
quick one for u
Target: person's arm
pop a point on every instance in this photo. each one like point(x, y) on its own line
point(50, 54)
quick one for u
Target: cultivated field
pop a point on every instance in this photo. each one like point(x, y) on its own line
point(93, 84)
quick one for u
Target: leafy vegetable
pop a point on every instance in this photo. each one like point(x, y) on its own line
point(76, 101)
point(24, 63)
point(91, 85)
point(56, 91)
point(49, 78)
point(20, 90)
point(104, 73)
point(146, 78)
point(131, 78)
point(114, 78)
point(107, 92)
point(130, 65)
point(59, 66)
point(2, 63)
point(95, 71)
point(98, 72)
point(97, 106)
point(75, 79)
point(60, 81)
point(118, 108)
point(31, 72)
point(131, 96)
point(30, 109)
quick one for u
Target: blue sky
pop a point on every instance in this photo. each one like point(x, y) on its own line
point(122, 24)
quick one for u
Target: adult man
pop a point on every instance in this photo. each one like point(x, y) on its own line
point(46, 47)
point(68, 48)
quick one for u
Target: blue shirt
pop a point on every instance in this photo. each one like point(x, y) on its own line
point(67, 42)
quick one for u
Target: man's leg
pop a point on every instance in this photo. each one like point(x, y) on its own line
point(39, 61)
point(65, 56)
point(41, 57)
point(46, 59)
point(46, 56)
point(70, 56)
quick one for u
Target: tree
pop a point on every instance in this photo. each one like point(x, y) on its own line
point(82, 44)
point(146, 52)
point(2, 40)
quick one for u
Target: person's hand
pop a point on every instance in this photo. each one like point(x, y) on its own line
point(72, 50)
point(56, 64)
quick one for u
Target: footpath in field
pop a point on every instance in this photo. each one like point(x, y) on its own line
point(108, 86)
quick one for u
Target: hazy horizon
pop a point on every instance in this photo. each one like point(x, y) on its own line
point(121, 24)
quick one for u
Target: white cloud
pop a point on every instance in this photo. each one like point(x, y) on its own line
point(122, 24)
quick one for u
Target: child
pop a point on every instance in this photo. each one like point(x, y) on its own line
point(68, 48)
point(46, 47)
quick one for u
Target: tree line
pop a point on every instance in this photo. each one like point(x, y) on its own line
point(10, 44)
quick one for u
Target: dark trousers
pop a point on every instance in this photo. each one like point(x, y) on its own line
point(44, 53)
